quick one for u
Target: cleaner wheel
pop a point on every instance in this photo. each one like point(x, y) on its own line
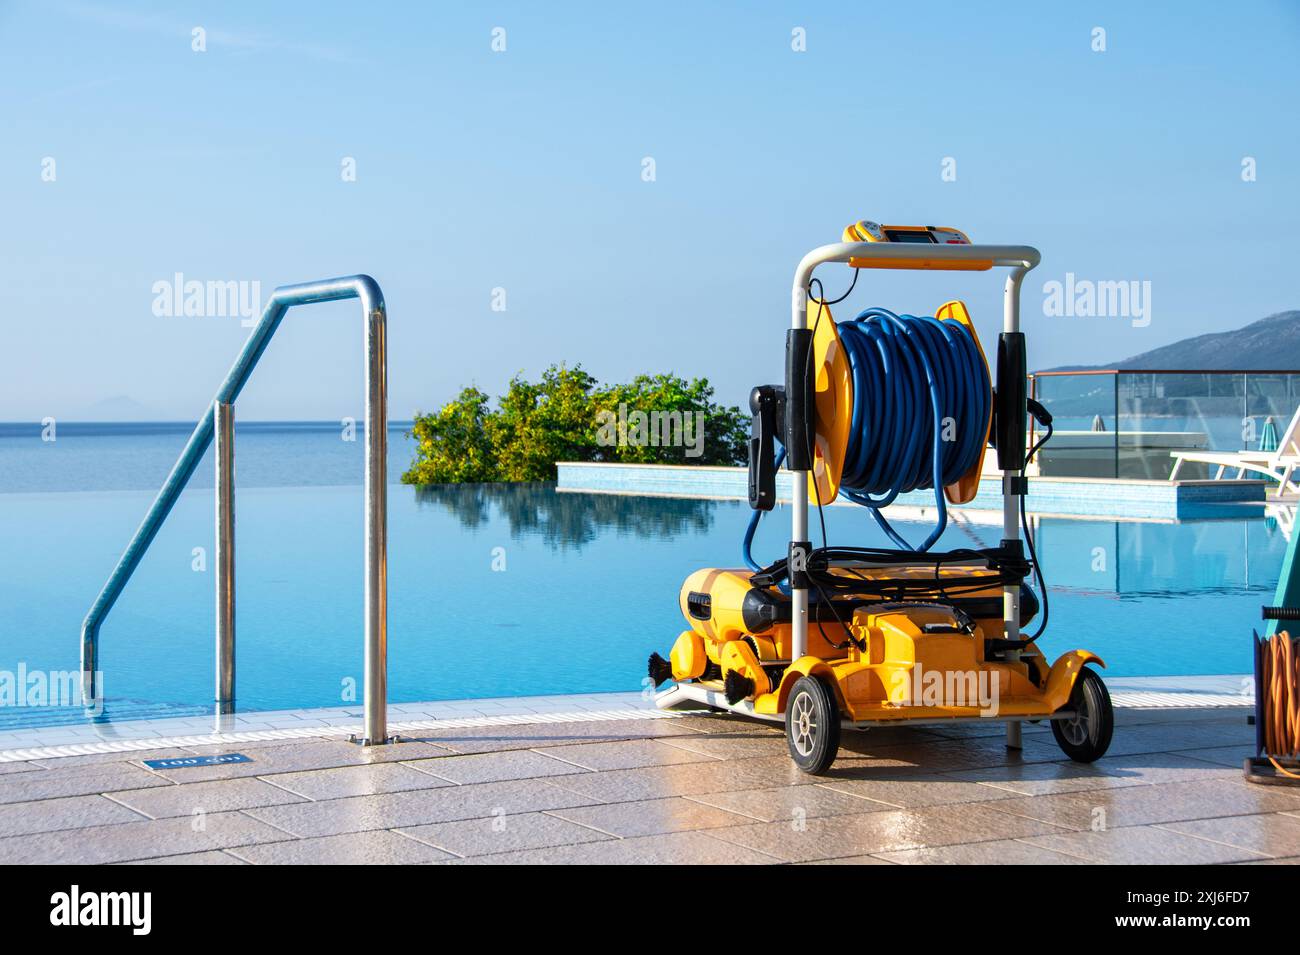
point(660, 670)
point(812, 725)
point(1085, 736)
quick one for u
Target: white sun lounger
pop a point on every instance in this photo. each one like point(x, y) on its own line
point(1280, 465)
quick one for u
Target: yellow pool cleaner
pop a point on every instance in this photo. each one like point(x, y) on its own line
point(837, 636)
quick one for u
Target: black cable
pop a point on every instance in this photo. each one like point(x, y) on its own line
point(821, 307)
point(1029, 540)
point(1001, 572)
point(822, 303)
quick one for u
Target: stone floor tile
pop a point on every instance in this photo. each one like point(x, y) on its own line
point(1039, 779)
point(27, 787)
point(538, 735)
point(376, 847)
point(790, 804)
point(651, 817)
point(877, 832)
point(402, 810)
point(1141, 845)
point(188, 799)
point(504, 833)
point(1231, 756)
point(1273, 834)
point(1161, 768)
point(147, 839)
point(674, 848)
point(212, 857)
point(72, 812)
point(7, 769)
point(342, 781)
point(92, 762)
point(733, 745)
point(848, 860)
point(1150, 804)
point(687, 779)
point(996, 852)
point(910, 792)
point(495, 767)
point(624, 754)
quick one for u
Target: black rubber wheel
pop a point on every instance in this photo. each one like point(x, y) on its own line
point(1086, 736)
point(812, 725)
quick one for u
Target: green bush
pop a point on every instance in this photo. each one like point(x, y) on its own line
point(569, 416)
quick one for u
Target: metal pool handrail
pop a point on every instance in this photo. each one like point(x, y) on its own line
point(362, 287)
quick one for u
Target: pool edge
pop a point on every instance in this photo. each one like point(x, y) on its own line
point(28, 745)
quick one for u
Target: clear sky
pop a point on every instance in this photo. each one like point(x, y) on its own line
point(523, 170)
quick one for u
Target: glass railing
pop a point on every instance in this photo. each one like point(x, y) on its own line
point(1127, 424)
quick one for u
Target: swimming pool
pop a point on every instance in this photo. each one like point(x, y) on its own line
point(501, 590)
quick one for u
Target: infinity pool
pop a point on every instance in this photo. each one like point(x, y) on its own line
point(503, 590)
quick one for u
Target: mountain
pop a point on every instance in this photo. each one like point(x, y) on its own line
point(1270, 344)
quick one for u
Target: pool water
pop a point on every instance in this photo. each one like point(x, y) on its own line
point(501, 590)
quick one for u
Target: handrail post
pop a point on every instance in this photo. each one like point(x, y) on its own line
point(361, 287)
point(224, 451)
point(376, 566)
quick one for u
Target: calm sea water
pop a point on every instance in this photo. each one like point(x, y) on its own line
point(138, 456)
point(494, 590)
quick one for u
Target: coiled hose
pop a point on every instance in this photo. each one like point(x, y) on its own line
point(1279, 689)
point(921, 401)
point(921, 404)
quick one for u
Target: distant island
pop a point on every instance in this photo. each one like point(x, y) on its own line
point(1270, 344)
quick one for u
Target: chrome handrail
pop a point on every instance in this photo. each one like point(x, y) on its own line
point(376, 487)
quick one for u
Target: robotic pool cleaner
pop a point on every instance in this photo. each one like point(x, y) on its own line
point(834, 636)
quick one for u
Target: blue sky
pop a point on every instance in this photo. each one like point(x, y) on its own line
point(522, 170)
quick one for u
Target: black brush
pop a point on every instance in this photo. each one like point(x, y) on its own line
point(737, 687)
point(660, 670)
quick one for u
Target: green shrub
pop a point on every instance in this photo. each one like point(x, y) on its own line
point(569, 416)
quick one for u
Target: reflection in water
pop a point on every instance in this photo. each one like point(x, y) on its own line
point(567, 520)
point(1103, 557)
point(1134, 558)
point(1280, 515)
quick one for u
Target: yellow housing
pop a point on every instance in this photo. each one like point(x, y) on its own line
point(921, 236)
point(899, 661)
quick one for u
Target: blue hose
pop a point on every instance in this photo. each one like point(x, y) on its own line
point(747, 545)
point(912, 376)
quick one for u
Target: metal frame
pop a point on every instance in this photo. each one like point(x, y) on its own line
point(1020, 259)
point(218, 420)
point(224, 558)
point(689, 696)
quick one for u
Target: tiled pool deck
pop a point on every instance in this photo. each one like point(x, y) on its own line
point(603, 779)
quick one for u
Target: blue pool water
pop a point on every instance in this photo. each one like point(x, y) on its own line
point(588, 587)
